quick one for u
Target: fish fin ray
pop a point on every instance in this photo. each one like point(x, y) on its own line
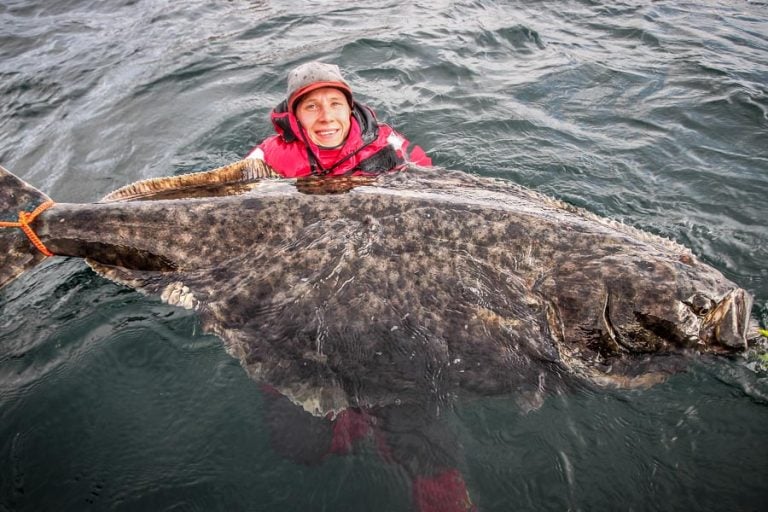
point(119, 275)
point(170, 286)
point(231, 179)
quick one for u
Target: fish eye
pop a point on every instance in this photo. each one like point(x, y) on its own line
point(700, 304)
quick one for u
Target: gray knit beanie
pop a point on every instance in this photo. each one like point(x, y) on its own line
point(314, 75)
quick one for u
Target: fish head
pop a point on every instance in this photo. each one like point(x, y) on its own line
point(713, 322)
point(638, 307)
point(724, 323)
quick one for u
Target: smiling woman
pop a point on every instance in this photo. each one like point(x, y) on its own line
point(322, 130)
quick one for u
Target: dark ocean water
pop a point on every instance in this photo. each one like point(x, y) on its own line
point(651, 112)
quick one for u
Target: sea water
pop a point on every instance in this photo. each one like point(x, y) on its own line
point(654, 113)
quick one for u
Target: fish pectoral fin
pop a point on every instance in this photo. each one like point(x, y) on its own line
point(115, 274)
point(232, 179)
point(644, 381)
point(333, 185)
point(177, 288)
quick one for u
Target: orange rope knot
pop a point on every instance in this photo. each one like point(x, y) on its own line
point(25, 219)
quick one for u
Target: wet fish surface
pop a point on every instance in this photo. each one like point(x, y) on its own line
point(407, 288)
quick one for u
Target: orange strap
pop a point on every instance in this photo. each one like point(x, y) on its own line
point(25, 219)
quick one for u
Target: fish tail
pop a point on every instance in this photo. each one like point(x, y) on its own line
point(20, 249)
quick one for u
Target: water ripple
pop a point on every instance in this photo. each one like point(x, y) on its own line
point(653, 113)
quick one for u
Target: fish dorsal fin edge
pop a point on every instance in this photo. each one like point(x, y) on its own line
point(226, 178)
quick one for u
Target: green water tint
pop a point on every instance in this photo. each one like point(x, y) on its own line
point(762, 352)
point(757, 355)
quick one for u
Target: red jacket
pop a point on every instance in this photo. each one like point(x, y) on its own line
point(370, 148)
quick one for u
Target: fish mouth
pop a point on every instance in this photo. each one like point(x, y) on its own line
point(724, 327)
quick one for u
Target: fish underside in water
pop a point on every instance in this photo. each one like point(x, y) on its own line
point(408, 288)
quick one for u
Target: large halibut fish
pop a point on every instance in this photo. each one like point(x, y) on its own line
point(409, 287)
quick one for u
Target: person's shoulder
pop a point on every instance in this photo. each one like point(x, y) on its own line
point(412, 152)
point(256, 154)
point(385, 131)
point(268, 146)
point(273, 142)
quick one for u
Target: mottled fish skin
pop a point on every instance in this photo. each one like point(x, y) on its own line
point(412, 287)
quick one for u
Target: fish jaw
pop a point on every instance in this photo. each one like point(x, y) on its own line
point(725, 326)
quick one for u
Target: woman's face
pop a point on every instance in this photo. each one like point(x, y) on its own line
point(324, 114)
